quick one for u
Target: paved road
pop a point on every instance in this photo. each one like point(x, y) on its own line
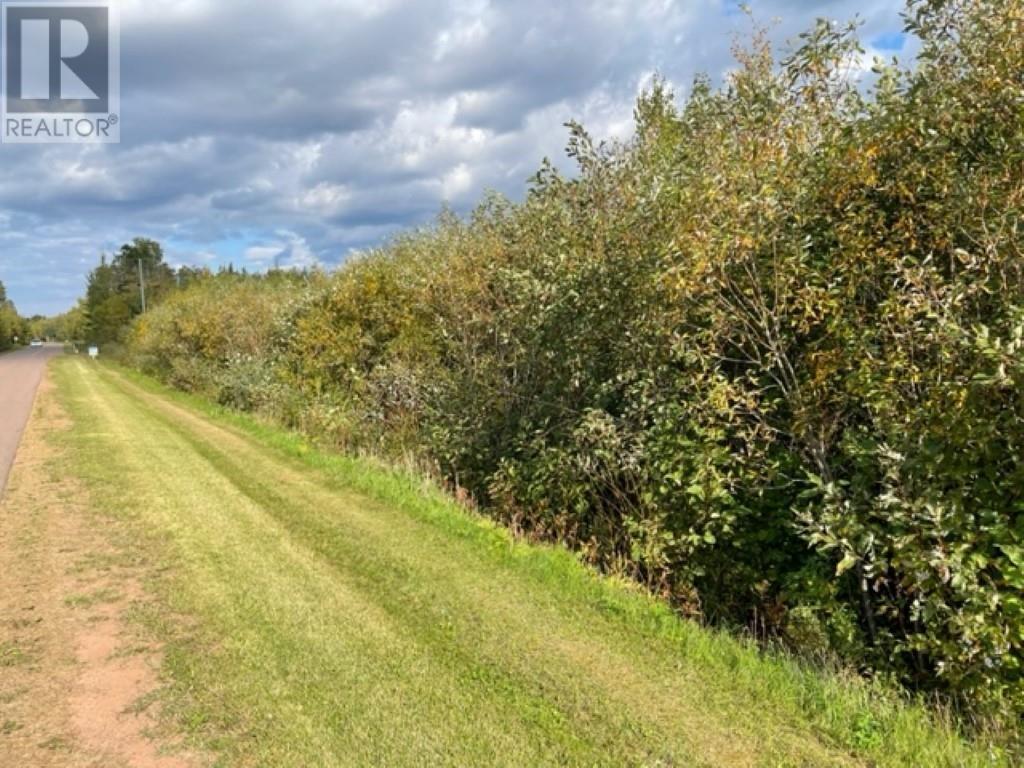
point(20, 373)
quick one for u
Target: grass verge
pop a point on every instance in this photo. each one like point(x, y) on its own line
point(320, 609)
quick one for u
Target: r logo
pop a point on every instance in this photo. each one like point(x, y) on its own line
point(57, 58)
point(61, 71)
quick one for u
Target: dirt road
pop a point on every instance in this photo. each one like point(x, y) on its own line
point(76, 677)
point(20, 373)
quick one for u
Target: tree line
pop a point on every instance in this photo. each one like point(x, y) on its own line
point(117, 291)
point(14, 329)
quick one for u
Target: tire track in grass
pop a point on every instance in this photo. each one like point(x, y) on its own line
point(596, 689)
point(369, 678)
point(449, 630)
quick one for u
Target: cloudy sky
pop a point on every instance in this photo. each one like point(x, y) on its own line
point(300, 131)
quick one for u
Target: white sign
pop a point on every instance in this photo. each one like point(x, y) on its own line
point(94, 352)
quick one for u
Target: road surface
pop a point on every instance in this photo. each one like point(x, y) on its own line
point(20, 372)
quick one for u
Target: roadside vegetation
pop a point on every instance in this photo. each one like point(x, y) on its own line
point(13, 328)
point(70, 327)
point(317, 609)
point(764, 359)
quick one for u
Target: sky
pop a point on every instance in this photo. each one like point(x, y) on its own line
point(296, 133)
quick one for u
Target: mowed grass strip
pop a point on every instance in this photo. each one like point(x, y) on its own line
point(320, 610)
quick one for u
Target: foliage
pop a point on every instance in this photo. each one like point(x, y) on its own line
point(114, 294)
point(215, 335)
point(13, 328)
point(70, 326)
point(765, 357)
point(407, 615)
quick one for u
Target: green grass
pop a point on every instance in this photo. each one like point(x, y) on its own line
point(11, 655)
point(9, 726)
point(323, 610)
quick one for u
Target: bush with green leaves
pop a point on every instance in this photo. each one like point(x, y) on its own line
point(765, 357)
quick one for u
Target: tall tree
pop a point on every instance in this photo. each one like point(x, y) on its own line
point(115, 288)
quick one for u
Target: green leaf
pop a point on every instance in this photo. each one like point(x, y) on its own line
point(846, 564)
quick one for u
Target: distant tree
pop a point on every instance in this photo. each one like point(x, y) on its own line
point(69, 326)
point(114, 291)
point(12, 327)
point(186, 276)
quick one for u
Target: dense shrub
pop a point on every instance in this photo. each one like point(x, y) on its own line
point(766, 357)
point(216, 336)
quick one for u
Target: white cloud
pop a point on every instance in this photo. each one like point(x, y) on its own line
point(301, 131)
point(456, 182)
point(263, 255)
point(325, 199)
point(290, 251)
